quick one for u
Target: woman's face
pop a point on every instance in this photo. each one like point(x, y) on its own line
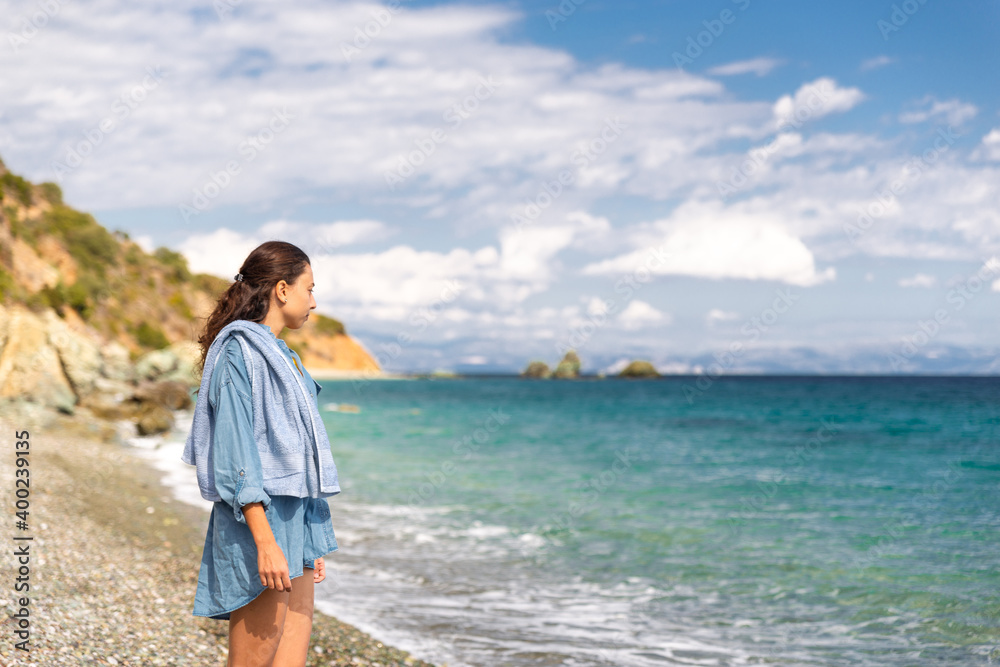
point(300, 300)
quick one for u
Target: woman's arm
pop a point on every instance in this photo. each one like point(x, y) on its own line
point(271, 563)
point(235, 460)
point(236, 463)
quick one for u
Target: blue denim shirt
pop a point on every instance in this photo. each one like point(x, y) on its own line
point(292, 444)
point(302, 526)
point(238, 474)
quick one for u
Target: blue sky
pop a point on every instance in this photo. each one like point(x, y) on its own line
point(742, 201)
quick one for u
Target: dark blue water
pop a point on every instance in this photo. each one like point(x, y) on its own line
point(785, 521)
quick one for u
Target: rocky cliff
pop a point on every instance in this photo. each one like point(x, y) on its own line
point(90, 319)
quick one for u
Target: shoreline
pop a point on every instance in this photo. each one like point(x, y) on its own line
point(331, 374)
point(114, 562)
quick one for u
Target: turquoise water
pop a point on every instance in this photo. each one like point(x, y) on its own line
point(785, 521)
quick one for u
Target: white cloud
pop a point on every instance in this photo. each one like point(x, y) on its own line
point(223, 247)
point(616, 367)
point(526, 253)
point(353, 120)
point(394, 283)
point(391, 283)
point(707, 240)
point(323, 237)
point(220, 253)
point(758, 66)
point(717, 315)
point(876, 62)
point(989, 148)
point(350, 121)
point(596, 306)
point(919, 280)
point(592, 233)
point(815, 100)
point(638, 314)
point(954, 111)
point(474, 359)
point(145, 242)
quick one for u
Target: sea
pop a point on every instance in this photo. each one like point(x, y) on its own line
point(740, 520)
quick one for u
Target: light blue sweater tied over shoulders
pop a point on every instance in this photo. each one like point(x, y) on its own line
point(290, 435)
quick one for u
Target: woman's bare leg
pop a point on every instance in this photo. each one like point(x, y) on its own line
point(256, 628)
point(294, 644)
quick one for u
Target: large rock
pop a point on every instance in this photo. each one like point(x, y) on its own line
point(155, 364)
point(108, 406)
point(569, 367)
point(537, 369)
point(154, 419)
point(30, 367)
point(28, 415)
point(48, 364)
point(171, 394)
point(79, 353)
point(639, 369)
point(150, 406)
point(116, 363)
point(174, 363)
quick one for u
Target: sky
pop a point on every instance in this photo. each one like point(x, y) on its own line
point(717, 187)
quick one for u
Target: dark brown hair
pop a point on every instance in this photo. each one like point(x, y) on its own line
point(249, 299)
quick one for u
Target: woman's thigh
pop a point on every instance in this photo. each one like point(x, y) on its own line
point(294, 645)
point(255, 629)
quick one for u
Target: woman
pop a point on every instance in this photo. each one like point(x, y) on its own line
point(263, 457)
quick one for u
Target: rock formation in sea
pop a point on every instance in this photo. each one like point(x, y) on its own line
point(569, 367)
point(537, 369)
point(639, 369)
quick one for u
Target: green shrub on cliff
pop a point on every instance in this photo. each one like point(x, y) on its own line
point(176, 264)
point(20, 188)
point(209, 284)
point(86, 293)
point(8, 288)
point(179, 303)
point(79, 300)
point(327, 325)
point(17, 228)
point(149, 336)
point(133, 255)
point(52, 193)
point(90, 244)
point(54, 297)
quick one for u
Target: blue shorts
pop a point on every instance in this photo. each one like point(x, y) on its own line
point(228, 578)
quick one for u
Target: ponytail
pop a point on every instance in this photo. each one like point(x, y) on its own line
point(249, 296)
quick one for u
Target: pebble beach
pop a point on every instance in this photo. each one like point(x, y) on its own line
point(114, 564)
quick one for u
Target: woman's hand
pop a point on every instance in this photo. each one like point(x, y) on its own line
point(319, 573)
point(272, 567)
point(271, 564)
